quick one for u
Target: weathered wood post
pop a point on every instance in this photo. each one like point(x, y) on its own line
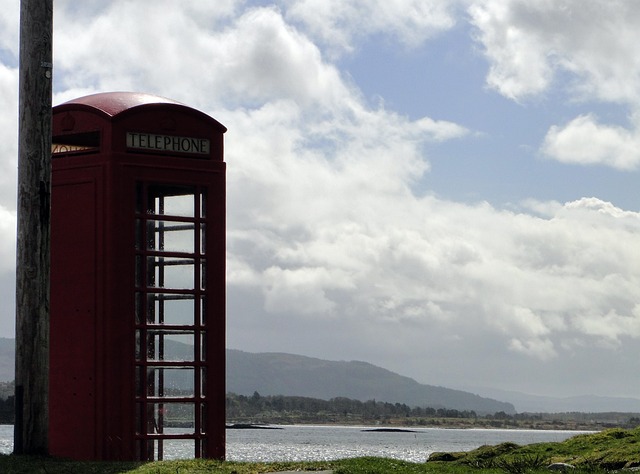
point(33, 235)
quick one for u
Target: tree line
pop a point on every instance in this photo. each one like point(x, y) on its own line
point(280, 409)
point(302, 409)
point(294, 409)
point(255, 407)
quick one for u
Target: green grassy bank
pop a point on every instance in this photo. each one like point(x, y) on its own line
point(607, 451)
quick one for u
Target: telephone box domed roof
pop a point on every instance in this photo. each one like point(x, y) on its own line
point(112, 103)
point(112, 122)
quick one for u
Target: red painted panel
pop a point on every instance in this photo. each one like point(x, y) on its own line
point(73, 320)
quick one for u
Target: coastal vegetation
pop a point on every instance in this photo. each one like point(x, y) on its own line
point(280, 409)
point(614, 450)
point(607, 450)
point(284, 410)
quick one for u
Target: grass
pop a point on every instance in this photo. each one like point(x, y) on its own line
point(365, 465)
point(591, 453)
point(599, 452)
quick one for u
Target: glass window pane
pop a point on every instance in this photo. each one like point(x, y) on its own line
point(179, 205)
point(170, 382)
point(170, 345)
point(178, 448)
point(170, 272)
point(176, 310)
point(167, 236)
point(173, 418)
point(171, 200)
point(182, 205)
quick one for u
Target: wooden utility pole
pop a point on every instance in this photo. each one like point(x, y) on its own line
point(33, 249)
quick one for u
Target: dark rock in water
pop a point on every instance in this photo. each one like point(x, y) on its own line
point(390, 430)
point(251, 426)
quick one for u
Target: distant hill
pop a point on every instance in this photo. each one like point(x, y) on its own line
point(288, 374)
point(541, 404)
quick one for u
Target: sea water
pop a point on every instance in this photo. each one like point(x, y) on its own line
point(317, 443)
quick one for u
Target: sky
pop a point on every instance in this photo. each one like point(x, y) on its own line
point(444, 188)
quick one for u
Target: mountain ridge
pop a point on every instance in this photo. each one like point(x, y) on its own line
point(278, 373)
point(525, 402)
point(257, 376)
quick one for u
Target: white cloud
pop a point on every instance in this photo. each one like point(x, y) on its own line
point(542, 208)
point(527, 43)
point(591, 45)
point(324, 230)
point(302, 291)
point(584, 141)
point(175, 43)
point(519, 60)
point(340, 24)
point(10, 31)
point(8, 135)
point(419, 260)
point(251, 59)
point(7, 240)
point(603, 210)
point(270, 60)
point(539, 348)
point(611, 326)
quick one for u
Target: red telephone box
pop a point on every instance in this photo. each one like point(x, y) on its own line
point(137, 355)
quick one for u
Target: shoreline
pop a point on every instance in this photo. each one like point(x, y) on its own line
point(402, 424)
